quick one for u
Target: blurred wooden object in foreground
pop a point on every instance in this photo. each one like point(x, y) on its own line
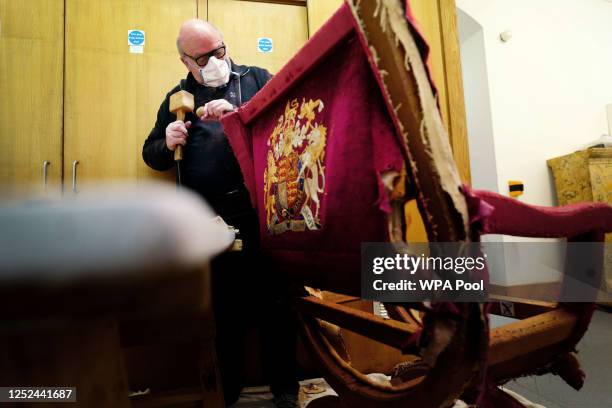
point(74, 271)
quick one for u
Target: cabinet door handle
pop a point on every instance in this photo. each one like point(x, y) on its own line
point(45, 166)
point(74, 175)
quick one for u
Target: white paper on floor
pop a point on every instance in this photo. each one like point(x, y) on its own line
point(261, 397)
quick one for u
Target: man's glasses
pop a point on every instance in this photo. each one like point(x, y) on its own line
point(202, 60)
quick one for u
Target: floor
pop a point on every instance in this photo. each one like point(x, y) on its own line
point(595, 355)
point(260, 397)
point(549, 391)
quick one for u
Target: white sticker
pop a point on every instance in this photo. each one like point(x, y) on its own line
point(264, 44)
point(136, 49)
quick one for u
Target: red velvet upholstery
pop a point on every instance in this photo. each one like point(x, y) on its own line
point(512, 217)
point(313, 146)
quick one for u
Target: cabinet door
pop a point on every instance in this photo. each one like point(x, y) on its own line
point(113, 92)
point(243, 23)
point(31, 57)
point(319, 11)
point(438, 20)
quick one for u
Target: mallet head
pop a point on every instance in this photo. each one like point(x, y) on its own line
point(181, 101)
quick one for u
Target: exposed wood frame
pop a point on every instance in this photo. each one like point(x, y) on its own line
point(390, 332)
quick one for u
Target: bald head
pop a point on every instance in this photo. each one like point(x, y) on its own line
point(197, 37)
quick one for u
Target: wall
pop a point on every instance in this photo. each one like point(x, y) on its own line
point(483, 163)
point(540, 95)
point(549, 85)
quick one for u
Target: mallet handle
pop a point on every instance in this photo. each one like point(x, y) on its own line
point(178, 151)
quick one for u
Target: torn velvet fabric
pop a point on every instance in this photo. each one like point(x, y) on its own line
point(314, 158)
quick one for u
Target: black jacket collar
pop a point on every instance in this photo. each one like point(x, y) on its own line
point(240, 69)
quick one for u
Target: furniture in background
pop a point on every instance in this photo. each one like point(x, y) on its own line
point(585, 176)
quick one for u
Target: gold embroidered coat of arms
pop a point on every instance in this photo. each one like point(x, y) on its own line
point(294, 178)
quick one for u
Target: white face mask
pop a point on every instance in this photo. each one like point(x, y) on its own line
point(215, 73)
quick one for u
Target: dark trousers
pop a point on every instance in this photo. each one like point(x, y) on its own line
point(246, 294)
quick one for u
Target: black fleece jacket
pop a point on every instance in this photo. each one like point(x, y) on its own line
point(209, 166)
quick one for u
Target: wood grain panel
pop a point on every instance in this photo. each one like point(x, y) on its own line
point(112, 96)
point(319, 11)
point(202, 9)
point(31, 72)
point(438, 22)
point(415, 227)
point(243, 22)
point(427, 14)
point(454, 88)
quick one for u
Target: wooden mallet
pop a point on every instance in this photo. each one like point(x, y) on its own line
point(181, 103)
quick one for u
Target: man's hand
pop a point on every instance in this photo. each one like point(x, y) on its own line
point(176, 134)
point(213, 110)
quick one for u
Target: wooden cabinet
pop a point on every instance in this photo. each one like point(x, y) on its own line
point(243, 23)
point(319, 11)
point(72, 95)
point(72, 92)
point(111, 94)
point(31, 70)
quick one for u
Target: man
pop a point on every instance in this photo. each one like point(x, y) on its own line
point(210, 168)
